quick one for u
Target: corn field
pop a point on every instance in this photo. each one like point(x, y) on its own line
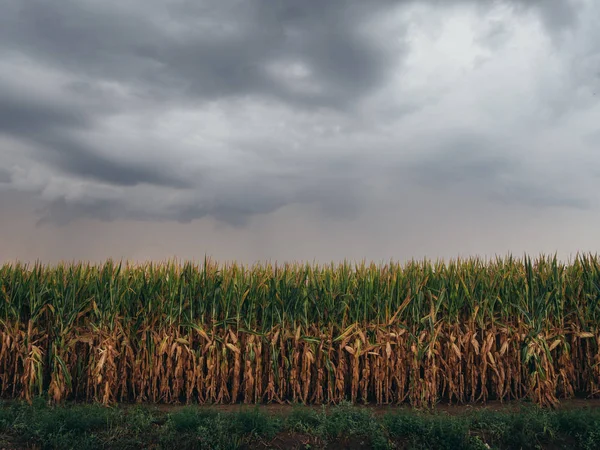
point(419, 333)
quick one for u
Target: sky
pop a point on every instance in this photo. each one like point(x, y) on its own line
point(298, 130)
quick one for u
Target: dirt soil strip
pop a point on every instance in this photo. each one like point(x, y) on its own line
point(378, 410)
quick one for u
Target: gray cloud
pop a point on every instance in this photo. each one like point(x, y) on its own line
point(20, 115)
point(233, 202)
point(81, 159)
point(5, 176)
point(540, 197)
point(232, 110)
point(51, 126)
point(558, 15)
point(62, 212)
point(483, 164)
point(468, 158)
point(593, 139)
point(206, 51)
point(212, 51)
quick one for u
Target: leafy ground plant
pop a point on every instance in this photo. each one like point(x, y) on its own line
point(345, 426)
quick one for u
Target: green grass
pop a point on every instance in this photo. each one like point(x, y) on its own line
point(96, 427)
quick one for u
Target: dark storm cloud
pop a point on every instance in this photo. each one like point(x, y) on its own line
point(214, 49)
point(202, 59)
point(306, 55)
point(20, 115)
point(50, 126)
point(228, 201)
point(80, 158)
point(235, 209)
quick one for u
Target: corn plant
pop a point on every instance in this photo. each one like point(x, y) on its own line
point(465, 330)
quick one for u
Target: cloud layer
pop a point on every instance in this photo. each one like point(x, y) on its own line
point(234, 110)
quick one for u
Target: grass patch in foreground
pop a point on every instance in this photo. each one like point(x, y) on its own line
point(345, 426)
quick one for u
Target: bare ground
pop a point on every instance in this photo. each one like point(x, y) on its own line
point(378, 410)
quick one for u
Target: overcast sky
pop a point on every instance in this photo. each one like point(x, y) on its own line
point(298, 130)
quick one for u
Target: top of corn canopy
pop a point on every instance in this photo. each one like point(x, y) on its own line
point(541, 292)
